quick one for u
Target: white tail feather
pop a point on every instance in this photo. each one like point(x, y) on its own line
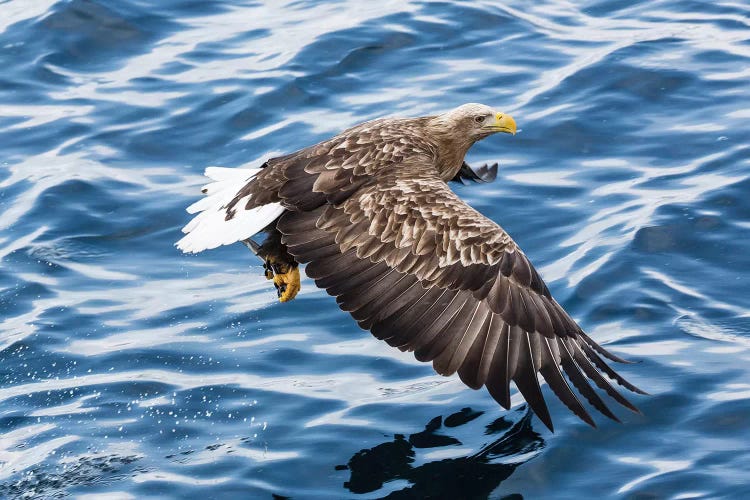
point(210, 229)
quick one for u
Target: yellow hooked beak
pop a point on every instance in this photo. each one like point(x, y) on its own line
point(504, 123)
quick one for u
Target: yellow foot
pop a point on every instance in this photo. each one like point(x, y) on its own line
point(285, 278)
point(287, 284)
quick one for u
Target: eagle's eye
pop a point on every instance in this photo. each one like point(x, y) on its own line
point(479, 118)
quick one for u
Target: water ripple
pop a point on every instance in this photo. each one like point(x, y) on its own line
point(130, 370)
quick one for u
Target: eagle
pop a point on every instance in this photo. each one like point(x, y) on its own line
point(370, 213)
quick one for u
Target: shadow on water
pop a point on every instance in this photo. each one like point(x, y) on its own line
point(472, 476)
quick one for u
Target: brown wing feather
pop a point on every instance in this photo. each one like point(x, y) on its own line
point(451, 326)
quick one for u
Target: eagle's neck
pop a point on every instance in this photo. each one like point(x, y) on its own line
point(450, 147)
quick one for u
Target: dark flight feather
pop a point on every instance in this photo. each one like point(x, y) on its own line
point(482, 174)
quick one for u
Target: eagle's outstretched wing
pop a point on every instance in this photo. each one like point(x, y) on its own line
point(422, 270)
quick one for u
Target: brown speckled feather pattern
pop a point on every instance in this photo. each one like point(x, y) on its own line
point(371, 214)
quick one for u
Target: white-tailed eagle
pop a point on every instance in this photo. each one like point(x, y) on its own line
point(370, 213)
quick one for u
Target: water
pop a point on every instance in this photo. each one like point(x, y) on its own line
point(129, 369)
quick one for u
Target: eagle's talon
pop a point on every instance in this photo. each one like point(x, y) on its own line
point(285, 276)
point(287, 284)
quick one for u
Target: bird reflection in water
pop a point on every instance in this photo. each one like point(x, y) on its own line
point(472, 476)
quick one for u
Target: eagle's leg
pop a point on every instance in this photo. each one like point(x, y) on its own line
point(278, 264)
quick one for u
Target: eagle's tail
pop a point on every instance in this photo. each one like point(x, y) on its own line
point(211, 227)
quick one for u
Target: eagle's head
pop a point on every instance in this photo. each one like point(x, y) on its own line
point(476, 121)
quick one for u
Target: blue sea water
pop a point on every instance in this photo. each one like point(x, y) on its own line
point(131, 370)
